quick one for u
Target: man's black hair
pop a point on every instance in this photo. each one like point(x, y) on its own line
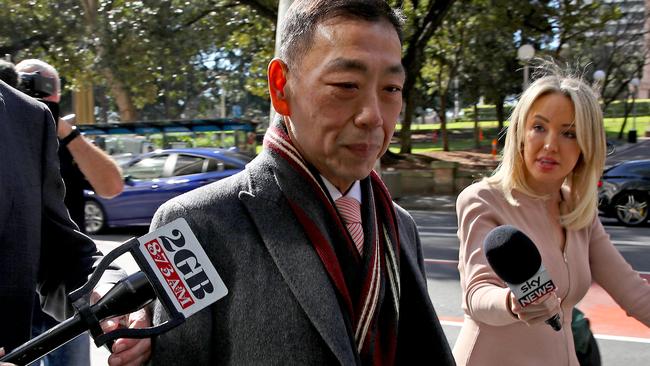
point(304, 16)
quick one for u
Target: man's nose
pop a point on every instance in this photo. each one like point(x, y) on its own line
point(369, 112)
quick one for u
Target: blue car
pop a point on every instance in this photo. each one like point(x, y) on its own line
point(153, 178)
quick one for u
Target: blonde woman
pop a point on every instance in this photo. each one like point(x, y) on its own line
point(546, 186)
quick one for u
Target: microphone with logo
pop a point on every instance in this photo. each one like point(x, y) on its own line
point(173, 268)
point(516, 260)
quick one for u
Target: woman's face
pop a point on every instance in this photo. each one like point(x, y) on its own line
point(551, 149)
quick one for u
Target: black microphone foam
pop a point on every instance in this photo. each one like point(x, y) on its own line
point(511, 254)
point(128, 295)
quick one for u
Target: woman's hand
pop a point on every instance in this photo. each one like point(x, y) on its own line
point(539, 311)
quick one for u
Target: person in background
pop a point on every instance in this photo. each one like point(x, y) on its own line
point(41, 249)
point(8, 73)
point(322, 268)
point(81, 162)
point(546, 186)
point(83, 165)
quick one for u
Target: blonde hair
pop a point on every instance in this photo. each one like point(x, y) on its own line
point(590, 133)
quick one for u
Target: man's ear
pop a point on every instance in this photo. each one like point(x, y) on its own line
point(277, 75)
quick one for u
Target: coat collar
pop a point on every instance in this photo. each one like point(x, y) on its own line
point(296, 259)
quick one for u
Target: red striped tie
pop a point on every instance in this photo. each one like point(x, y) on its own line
point(350, 210)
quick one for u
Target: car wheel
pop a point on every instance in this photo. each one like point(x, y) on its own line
point(632, 208)
point(94, 217)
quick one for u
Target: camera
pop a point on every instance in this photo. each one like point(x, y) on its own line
point(36, 85)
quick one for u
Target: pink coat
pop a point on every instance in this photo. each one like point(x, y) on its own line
point(490, 334)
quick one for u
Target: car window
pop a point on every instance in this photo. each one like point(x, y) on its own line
point(216, 165)
point(147, 168)
point(187, 164)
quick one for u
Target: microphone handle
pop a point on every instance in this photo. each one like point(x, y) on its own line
point(554, 322)
point(128, 295)
point(46, 342)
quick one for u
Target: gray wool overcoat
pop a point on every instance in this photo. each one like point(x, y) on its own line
point(281, 308)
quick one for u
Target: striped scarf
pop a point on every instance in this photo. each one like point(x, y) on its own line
point(368, 285)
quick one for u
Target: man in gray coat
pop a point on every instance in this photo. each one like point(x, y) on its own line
point(321, 266)
point(41, 249)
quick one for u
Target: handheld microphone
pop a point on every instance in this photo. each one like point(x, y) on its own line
point(127, 296)
point(174, 269)
point(516, 260)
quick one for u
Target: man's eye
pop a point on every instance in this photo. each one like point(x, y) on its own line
point(346, 85)
point(394, 89)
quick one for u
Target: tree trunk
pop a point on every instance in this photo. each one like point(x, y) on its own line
point(477, 131)
point(500, 110)
point(118, 90)
point(626, 113)
point(405, 132)
point(443, 121)
point(413, 60)
point(123, 100)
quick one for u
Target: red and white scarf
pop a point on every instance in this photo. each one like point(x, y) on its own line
point(368, 286)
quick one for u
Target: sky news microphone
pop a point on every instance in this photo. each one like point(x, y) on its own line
point(174, 269)
point(516, 260)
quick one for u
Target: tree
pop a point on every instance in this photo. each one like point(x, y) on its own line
point(423, 19)
point(150, 55)
point(445, 53)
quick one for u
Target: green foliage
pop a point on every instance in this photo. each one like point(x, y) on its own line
point(166, 57)
point(175, 58)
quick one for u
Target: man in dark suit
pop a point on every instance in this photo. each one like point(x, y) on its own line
point(321, 266)
point(41, 249)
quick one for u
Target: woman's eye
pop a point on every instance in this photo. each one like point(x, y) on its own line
point(538, 128)
point(570, 134)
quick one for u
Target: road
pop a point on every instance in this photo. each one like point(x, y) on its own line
point(639, 150)
point(622, 340)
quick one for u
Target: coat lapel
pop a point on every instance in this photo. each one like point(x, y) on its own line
point(296, 259)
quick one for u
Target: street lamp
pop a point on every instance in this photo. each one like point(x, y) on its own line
point(222, 86)
point(634, 88)
point(525, 53)
point(599, 77)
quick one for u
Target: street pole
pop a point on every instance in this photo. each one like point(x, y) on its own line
point(599, 77)
point(525, 53)
point(526, 76)
point(631, 134)
point(456, 99)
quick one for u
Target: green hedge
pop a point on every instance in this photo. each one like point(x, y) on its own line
point(614, 110)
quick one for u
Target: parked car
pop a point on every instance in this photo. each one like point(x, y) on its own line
point(624, 192)
point(153, 178)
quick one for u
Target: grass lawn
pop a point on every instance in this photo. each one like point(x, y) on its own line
point(461, 134)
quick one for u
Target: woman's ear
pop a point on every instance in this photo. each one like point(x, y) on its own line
point(277, 75)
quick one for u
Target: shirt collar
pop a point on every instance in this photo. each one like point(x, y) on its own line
point(353, 192)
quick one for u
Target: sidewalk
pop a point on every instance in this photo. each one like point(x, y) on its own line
point(428, 203)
